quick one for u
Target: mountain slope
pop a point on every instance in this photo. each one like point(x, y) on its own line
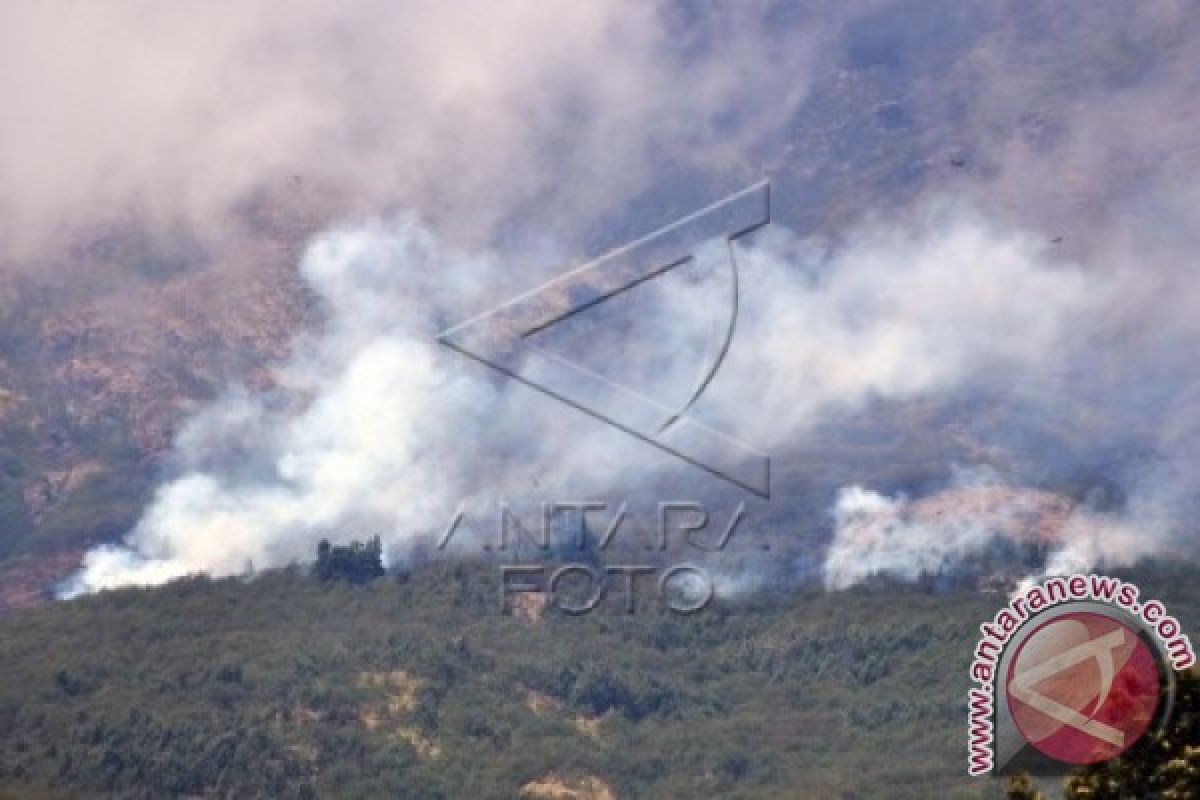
point(284, 686)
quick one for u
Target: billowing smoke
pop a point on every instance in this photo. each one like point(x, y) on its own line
point(1035, 300)
point(374, 427)
point(178, 121)
point(979, 528)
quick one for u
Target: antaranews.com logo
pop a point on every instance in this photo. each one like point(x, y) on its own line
point(1075, 670)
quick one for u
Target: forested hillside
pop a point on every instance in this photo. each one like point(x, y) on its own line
point(417, 686)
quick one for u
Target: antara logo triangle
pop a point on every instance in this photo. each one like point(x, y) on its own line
point(503, 339)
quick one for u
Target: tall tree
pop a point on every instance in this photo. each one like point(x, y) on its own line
point(1169, 768)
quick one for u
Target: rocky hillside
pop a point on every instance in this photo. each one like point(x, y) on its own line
point(107, 345)
point(95, 378)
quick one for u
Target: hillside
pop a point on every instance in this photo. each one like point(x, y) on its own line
point(114, 337)
point(950, 329)
point(96, 377)
point(284, 686)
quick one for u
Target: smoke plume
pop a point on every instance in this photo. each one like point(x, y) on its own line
point(177, 120)
point(375, 427)
point(979, 527)
point(985, 224)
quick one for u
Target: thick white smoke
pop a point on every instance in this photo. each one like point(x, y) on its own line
point(498, 121)
point(178, 119)
point(377, 428)
point(979, 516)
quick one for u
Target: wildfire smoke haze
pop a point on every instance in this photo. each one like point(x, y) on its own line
point(975, 267)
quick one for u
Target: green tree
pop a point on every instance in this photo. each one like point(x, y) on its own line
point(1169, 768)
point(357, 562)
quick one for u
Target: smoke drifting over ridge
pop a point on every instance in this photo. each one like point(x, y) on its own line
point(176, 119)
point(377, 428)
point(493, 140)
point(979, 527)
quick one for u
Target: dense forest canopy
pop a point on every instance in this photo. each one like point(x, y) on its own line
point(420, 686)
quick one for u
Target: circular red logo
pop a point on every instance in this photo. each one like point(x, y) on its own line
point(1083, 688)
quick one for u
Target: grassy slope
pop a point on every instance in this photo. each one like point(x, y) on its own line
point(255, 687)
